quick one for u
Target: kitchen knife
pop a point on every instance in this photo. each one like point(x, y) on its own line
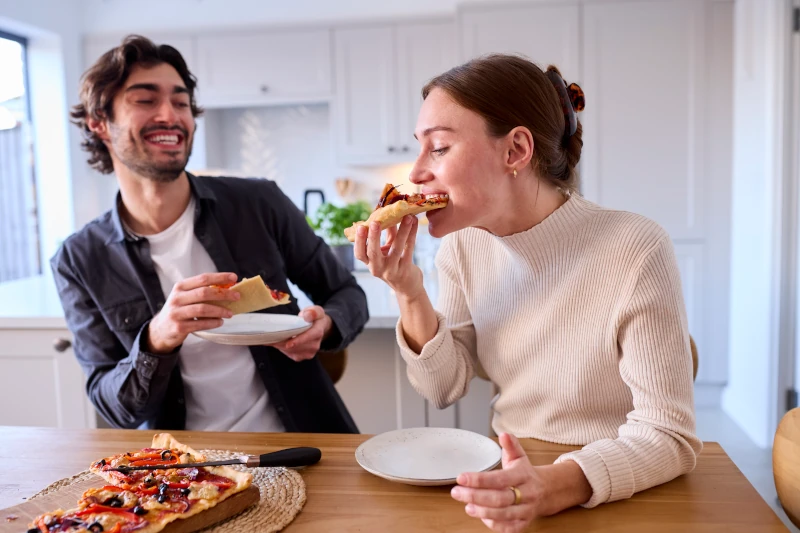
point(290, 457)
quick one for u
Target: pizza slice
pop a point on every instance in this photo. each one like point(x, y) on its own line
point(255, 296)
point(146, 501)
point(393, 206)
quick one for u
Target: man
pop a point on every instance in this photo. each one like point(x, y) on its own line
point(134, 281)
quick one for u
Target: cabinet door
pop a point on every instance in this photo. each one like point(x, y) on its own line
point(545, 34)
point(40, 386)
point(264, 68)
point(364, 110)
point(642, 144)
point(423, 52)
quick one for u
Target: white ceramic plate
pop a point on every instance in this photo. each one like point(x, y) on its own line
point(252, 329)
point(427, 456)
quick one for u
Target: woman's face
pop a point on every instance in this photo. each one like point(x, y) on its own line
point(458, 157)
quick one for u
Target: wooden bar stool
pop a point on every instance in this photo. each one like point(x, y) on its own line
point(786, 464)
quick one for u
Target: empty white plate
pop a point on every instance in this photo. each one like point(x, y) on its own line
point(252, 329)
point(427, 456)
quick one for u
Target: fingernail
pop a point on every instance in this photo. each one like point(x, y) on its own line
point(232, 277)
point(228, 314)
point(470, 509)
point(455, 492)
point(374, 226)
point(236, 295)
point(362, 230)
point(290, 345)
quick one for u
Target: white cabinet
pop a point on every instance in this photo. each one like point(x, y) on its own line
point(39, 385)
point(545, 34)
point(268, 67)
point(380, 72)
point(376, 390)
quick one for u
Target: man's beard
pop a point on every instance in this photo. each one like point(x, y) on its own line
point(138, 160)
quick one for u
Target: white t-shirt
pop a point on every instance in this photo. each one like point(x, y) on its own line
point(223, 391)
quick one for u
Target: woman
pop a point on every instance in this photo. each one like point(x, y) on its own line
point(574, 311)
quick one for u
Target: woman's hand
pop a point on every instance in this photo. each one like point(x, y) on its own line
point(392, 262)
point(543, 490)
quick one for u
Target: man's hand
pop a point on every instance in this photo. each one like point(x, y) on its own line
point(184, 311)
point(306, 345)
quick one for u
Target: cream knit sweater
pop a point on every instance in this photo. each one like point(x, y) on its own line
point(581, 324)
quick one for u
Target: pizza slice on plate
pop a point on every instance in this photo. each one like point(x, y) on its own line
point(255, 296)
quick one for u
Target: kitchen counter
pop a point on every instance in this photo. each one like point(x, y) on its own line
point(33, 303)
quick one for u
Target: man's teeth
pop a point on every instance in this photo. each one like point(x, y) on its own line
point(433, 196)
point(164, 139)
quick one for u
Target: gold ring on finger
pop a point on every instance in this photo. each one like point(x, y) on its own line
point(517, 495)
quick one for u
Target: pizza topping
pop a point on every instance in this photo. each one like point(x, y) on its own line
point(139, 510)
point(203, 491)
point(278, 295)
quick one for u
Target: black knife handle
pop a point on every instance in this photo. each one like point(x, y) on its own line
point(291, 457)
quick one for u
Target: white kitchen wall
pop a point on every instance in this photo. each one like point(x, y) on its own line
point(757, 248)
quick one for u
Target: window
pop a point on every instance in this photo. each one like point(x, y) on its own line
point(19, 242)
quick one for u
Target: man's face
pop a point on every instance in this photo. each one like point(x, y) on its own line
point(152, 129)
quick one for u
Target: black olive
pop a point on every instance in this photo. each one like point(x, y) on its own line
point(163, 488)
point(166, 454)
point(95, 527)
point(34, 530)
point(114, 502)
point(149, 480)
point(139, 510)
point(186, 491)
point(162, 498)
point(102, 462)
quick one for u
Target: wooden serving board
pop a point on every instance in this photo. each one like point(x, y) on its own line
point(67, 498)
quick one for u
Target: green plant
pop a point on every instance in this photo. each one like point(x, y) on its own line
point(330, 221)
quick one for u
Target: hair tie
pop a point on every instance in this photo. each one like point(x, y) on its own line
point(572, 99)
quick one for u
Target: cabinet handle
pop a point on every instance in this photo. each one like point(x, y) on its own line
point(391, 148)
point(264, 89)
point(61, 344)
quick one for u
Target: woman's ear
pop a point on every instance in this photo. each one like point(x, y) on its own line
point(519, 149)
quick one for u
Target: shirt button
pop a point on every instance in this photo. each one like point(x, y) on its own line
point(127, 320)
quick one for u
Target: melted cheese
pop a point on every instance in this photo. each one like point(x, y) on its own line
point(203, 491)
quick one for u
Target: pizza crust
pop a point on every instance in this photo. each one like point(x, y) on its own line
point(255, 296)
point(392, 214)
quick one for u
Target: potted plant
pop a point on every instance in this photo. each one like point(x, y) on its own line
point(330, 222)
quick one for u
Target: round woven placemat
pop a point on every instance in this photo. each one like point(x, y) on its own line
point(283, 494)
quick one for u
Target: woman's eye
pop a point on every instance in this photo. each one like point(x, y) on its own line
point(144, 101)
point(182, 105)
point(439, 151)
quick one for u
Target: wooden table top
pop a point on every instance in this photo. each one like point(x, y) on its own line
point(344, 497)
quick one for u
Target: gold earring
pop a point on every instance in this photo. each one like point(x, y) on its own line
point(515, 172)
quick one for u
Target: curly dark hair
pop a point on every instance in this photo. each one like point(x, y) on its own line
point(99, 86)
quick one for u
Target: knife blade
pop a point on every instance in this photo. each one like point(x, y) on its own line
point(290, 458)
